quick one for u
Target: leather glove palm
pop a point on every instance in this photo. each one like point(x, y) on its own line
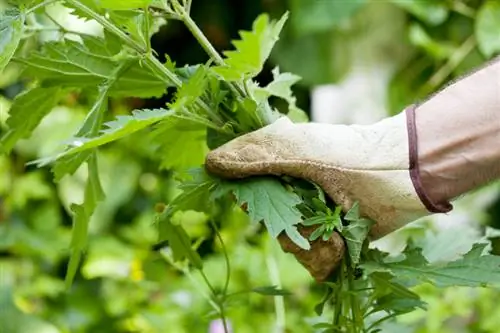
point(369, 164)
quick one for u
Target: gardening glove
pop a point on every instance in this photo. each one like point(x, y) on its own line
point(375, 165)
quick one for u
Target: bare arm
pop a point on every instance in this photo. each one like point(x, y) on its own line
point(459, 136)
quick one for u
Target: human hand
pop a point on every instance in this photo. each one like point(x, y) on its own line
point(368, 164)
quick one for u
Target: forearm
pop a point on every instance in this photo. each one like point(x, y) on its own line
point(458, 133)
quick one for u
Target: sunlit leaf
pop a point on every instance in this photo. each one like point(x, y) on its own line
point(11, 32)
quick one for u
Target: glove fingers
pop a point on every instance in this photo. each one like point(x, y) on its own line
point(324, 256)
point(251, 154)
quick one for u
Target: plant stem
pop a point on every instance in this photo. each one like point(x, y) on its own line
point(457, 57)
point(40, 5)
point(279, 302)
point(152, 61)
point(355, 306)
point(203, 41)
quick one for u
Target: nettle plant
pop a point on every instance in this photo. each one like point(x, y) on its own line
point(212, 104)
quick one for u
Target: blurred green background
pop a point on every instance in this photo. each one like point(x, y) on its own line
point(407, 48)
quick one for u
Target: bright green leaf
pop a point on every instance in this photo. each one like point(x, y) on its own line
point(11, 31)
point(181, 143)
point(430, 11)
point(26, 112)
point(311, 16)
point(252, 50)
point(124, 5)
point(81, 217)
point(271, 290)
point(487, 28)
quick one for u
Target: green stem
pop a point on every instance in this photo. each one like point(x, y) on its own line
point(355, 305)
point(338, 294)
point(204, 42)
point(458, 56)
point(279, 302)
point(150, 59)
point(153, 63)
point(40, 5)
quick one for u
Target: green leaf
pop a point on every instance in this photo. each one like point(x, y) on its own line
point(81, 217)
point(26, 113)
point(430, 11)
point(181, 143)
point(355, 233)
point(11, 32)
point(252, 50)
point(120, 127)
point(180, 243)
point(280, 86)
point(72, 64)
point(319, 16)
point(271, 290)
point(195, 194)
point(124, 5)
point(474, 269)
point(268, 200)
point(487, 28)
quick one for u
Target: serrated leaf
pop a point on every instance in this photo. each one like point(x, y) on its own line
point(280, 86)
point(11, 32)
point(181, 143)
point(355, 233)
point(73, 64)
point(120, 127)
point(180, 243)
point(267, 201)
point(252, 50)
point(124, 5)
point(271, 290)
point(195, 194)
point(92, 4)
point(27, 111)
point(472, 270)
point(487, 27)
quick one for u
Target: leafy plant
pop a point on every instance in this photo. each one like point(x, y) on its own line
point(212, 104)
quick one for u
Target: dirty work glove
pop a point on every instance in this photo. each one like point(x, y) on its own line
point(372, 164)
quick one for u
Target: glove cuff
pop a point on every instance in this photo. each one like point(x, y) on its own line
point(430, 205)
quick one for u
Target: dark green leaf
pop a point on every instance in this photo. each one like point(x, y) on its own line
point(11, 32)
point(355, 233)
point(179, 242)
point(73, 64)
point(473, 270)
point(267, 200)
